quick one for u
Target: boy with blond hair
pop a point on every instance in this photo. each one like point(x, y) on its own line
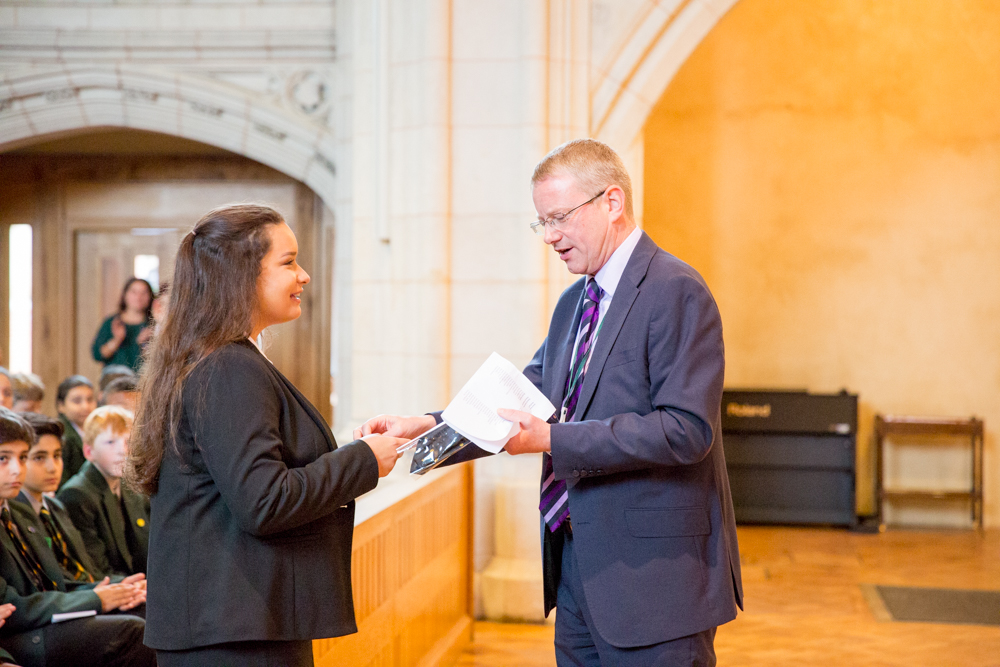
point(113, 520)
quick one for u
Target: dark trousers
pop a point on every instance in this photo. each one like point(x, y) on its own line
point(578, 642)
point(98, 641)
point(241, 654)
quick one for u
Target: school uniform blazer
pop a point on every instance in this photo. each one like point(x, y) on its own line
point(74, 540)
point(98, 514)
point(72, 450)
point(254, 515)
point(34, 606)
point(652, 515)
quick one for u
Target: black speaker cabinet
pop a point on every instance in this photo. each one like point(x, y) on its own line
point(790, 456)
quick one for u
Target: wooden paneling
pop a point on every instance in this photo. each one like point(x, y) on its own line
point(410, 573)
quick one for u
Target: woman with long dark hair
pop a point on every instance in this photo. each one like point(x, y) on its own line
point(122, 336)
point(252, 501)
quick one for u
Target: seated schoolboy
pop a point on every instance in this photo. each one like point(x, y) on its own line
point(44, 470)
point(109, 374)
point(32, 580)
point(29, 390)
point(123, 392)
point(113, 520)
point(75, 400)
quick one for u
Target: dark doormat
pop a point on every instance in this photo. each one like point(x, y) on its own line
point(933, 605)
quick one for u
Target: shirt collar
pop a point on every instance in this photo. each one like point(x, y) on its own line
point(35, 505)
point(610, 274)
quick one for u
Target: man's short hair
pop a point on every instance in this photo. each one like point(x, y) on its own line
point(14, 428)
point(43, 425)
point(118, 419)
point(123, 384)
point(27, 387)
point(594, 166)
point(112, 372)
point(69, 384)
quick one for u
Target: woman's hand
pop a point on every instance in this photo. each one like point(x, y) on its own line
point(384, 448)
point(117, 331)
point(396, 426)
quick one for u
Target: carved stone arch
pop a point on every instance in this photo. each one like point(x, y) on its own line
point(660, 39)
point(41, 103)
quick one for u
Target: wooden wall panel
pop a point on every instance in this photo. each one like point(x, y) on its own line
point(410, 572)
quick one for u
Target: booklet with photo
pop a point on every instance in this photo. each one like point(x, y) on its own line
point(472, 414)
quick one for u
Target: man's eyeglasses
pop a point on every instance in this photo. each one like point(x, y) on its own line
point(556, 221)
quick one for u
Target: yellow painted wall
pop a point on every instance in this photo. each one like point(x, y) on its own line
point(832, 167)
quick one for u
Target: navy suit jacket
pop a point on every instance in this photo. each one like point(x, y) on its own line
point(653, 526)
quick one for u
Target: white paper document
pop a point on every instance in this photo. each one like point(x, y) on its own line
point(70, 615)
point(497, 384)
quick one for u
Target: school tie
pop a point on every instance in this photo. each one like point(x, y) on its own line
point(554, 505)
point(34, 568)
point(73, 568)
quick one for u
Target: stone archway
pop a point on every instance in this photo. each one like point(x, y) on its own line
point(660, 39)
point(51, 102)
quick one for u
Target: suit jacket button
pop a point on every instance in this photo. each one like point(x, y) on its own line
point(36, 639)
point(600, 472)
point(576, 473)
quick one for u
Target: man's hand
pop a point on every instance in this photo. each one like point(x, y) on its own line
point(395, 426)
point(535, 435)
point(120, 596)
point(384, 447)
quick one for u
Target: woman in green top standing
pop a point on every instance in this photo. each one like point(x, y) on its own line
point(123, 335)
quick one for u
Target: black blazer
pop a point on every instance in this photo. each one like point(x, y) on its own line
point(72, 450)
point(97, 514)
point(35, 607)
point(253, 519)
point(74, 540)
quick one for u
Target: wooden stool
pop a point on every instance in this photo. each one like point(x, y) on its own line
point(972, 428)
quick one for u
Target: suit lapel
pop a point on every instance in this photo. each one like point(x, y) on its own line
point(310, 409)
point(564, 350)
point(621, 304)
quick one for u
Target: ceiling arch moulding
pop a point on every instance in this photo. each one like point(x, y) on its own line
point(665, 34)
point(39, 104)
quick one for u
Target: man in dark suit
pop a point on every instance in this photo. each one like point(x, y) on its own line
point(32, 580)
point(113, 520)
point(639, 539)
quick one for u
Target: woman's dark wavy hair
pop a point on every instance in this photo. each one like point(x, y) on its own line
point(152, 295)
point(213, 299)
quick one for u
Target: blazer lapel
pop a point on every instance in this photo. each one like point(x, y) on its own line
point(113, 512)
point(564, 351)
point(621, 304)
point(39, 544)
point(304, 402)
point(15, 553)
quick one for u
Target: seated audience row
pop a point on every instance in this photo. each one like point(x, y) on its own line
point(56, 550)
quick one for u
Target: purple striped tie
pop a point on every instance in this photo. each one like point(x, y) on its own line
point(555, 495)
